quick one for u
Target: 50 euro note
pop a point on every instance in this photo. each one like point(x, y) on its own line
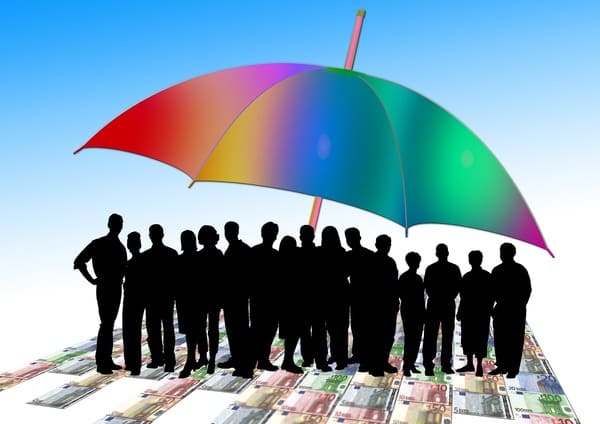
point(489, 384)
point(407, 412)
point(551, 404)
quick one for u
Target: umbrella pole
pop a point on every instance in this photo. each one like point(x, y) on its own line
point(360, 16)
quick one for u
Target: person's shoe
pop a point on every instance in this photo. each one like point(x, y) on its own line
point(466, 368)
point(185, 372)
point(155, 364)
point(135, 371)
point(479, 372)
point(211, 367)
point(512, 374)
point(376, 372)
point(389, 368)
point(267, 366)
point(306, 363)
point(415, 370)
point(104, 370)
point(447, 370)
point(331, 360)
point(353, 360)
point(363, 368)
point(429, 372)
point(115, 367)
point(169, 367)
point(497, 371)
point(324, 367)
point(341, 365)
point(243, 373)
point(406, 372)
point(200, 363)
point(293, 368)
point(226, 364)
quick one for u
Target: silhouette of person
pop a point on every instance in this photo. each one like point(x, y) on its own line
point(411, 292)
point(474, 313)
point(210, 264)
point(264, 313)
point(382, 308)
point(160, 270)
point(359, 262)
point(134, 303)
point(188, 291)
point(109, 260)
point(313, 339)
point(235, 303)
point(290, 326)
point(335, 289)
point(511, 288)
point(442, 283)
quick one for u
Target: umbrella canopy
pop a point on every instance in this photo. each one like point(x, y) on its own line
point(334, 133)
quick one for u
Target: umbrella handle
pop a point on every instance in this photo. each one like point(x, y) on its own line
point(352, 48)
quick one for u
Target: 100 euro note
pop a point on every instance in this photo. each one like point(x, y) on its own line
point(551, 404)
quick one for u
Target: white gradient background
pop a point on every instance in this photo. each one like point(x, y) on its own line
point(522, 75)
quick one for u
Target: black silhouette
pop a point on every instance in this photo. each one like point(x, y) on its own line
point(109, 260)
point(474, 313)
point(291, 325)
point(210, 264)
point(313, 339)
point(188, 292)
point(334, 288)
point(382, 308)
point(264, 314)
point(411, 292)
point(134, 303)
point(235, 307)
point(511, 292)
point(159, 263)
point(359, 262)
point(442, 283)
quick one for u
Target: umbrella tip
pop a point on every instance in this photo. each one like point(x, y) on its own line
point(361, 12)
point(191, 184)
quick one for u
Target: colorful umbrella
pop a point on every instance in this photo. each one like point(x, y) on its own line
point(329, 132)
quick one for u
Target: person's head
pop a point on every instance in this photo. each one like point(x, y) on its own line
point(287, 245)
point(269, 232)
point(232, 231)
point(330, 237)
point(134, 242)
point(383, 244)
point(115, 223)
point(413, 260)
point(188, 241)
point(441, 251)
point(507, 252)
point(156, 234)
point(307, 234)
point(475, 258)
point(207, 236)
point(352, 237)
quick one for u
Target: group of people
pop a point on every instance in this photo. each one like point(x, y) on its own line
point(310, 294)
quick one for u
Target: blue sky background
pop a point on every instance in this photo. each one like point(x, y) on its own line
point(522, 75)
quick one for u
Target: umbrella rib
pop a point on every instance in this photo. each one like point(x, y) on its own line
point(216, 143)
point(396, 144)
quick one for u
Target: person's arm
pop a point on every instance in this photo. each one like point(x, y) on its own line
point(81, 263)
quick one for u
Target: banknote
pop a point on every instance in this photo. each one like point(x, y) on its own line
point(326, 382)
point(86, 345)
point(236, 414)
point(543, 383)
point(152, 373)
point(349, 414)
point(146, 407)
point(437, 377)
point(96, 380)
point(535, 366)
point(488, 384)
point(63, 356)
point(481, 404)
point(279, 378)
point(397, 349)
point(111, 419)
point(423, 391)
point(368, 397)
point(309, 402)
point(285, 417)
point(77, 366)
point(396, 361)
point(63, 396)
point(487, 364)
point(175, 387)
point(526, 418)
point(201, 374)
point(388, 381)
point(530, 341)
point(541, 403)
point(276, 352)
point(262, 397)
point(30, 371)
point(407, 412)
point(225, 382)
point(8, 382)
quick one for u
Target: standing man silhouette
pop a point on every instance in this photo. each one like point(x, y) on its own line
point(109, 260)
point(442, 283)
point(160, 263)
point(511, 288)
